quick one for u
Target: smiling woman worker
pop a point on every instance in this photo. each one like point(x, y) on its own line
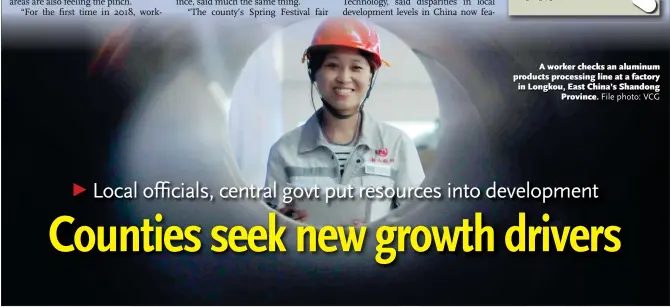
point(342, 145)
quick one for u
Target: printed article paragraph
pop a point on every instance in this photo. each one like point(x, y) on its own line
point(252, 9)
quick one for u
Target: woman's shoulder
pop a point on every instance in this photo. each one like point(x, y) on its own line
point(289, 139)
point(387, 132)
point(393, 133)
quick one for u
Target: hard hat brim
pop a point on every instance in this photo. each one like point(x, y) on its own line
point(327, 47)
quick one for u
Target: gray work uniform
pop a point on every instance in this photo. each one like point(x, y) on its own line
point(383, 157)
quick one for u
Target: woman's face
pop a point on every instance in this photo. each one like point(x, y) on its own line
point(344, 79)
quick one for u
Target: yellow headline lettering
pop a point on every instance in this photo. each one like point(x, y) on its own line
point(258, 239)
point(125, 238)
point(468, 237)
point(522, 238)
point(319, 240)
point(422, 238)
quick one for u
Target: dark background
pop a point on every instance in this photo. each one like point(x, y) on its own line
point(59, 123)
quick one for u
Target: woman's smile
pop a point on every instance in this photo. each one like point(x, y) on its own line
point(343, 91)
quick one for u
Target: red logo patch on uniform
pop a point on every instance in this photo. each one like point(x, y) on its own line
point(382, 152)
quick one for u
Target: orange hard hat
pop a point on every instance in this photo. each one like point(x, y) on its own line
point(347, 32)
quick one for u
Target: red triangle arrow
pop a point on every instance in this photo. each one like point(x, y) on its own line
point(77, 189)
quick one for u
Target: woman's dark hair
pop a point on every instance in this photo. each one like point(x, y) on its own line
point(318, 56)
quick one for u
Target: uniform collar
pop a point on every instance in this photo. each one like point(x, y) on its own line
point(312, 137)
